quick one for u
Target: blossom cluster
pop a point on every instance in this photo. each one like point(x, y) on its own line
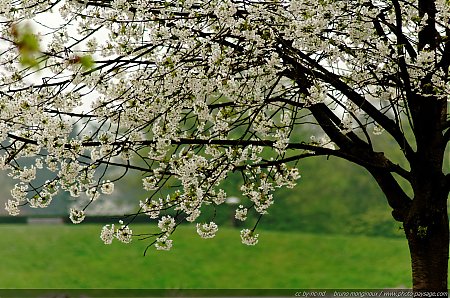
point(123, 234)
point(207, 230)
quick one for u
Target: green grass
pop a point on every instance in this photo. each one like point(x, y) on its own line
point(44, 256)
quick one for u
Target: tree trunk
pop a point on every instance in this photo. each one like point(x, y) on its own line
point(427, 232)
point(425, 221)
point(427, 224)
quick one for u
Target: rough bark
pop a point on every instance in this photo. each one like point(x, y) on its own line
point(428, 240)
point(425, 217)
point(427, 225)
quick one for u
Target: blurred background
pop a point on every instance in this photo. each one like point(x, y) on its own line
point(333, 230)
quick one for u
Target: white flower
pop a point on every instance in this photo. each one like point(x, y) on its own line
point(193, 215)
point(206, 230)
point(107, 234)
point(27, 175)
point(287, 177)
point(151, 207)
point(12, 207)
point(248, 237)
point(74, 191)
point(150, 183)
point(162, 243)
point(95, 155)
point(377, 130)
point(241, 213)
point(92, 194)
point(106, 150)
point(51, 162)
point(5, 6)
point(317, 94)
point(39, 164)
point(124, 234)
point(19, 192)
point(166, 224)
point(41, 201)
point(221, 197)
point(76, 216)
point(3, 164)
point(107, 187)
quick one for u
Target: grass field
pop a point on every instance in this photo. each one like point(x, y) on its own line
point(60, 256)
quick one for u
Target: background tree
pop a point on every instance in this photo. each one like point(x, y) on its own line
point(186, 92)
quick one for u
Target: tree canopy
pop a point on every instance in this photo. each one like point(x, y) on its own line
point(186, 92)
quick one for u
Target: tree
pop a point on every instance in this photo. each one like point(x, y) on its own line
point(187, 91)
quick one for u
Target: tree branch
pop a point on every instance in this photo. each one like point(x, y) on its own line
point(388, 124)
point(395, 195)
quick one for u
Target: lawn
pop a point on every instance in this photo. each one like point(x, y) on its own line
point(69, 256)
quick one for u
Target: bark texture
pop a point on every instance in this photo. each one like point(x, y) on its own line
point(428, 240)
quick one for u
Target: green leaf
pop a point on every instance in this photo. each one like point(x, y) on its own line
point(87, 62)
point(29, 61)
point(27, 43)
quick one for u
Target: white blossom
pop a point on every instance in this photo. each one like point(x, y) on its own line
point(241, 213)
point(193, 215)
point(41, 200)
point(74, 191)
point(19, 192)
point(107, 234)
point(167, 224)
point(76, 216)
point(207, 230)
point(92, 193)
point(248, 237)
point(221, 197)
point(107, 187)
point(27, 174)
point(151, 207)
point(377, 130)
point(150, 183)
point(163, 243)
point(12, 207)
point(124, 234)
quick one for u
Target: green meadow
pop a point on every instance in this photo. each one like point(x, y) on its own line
point(73, 256)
